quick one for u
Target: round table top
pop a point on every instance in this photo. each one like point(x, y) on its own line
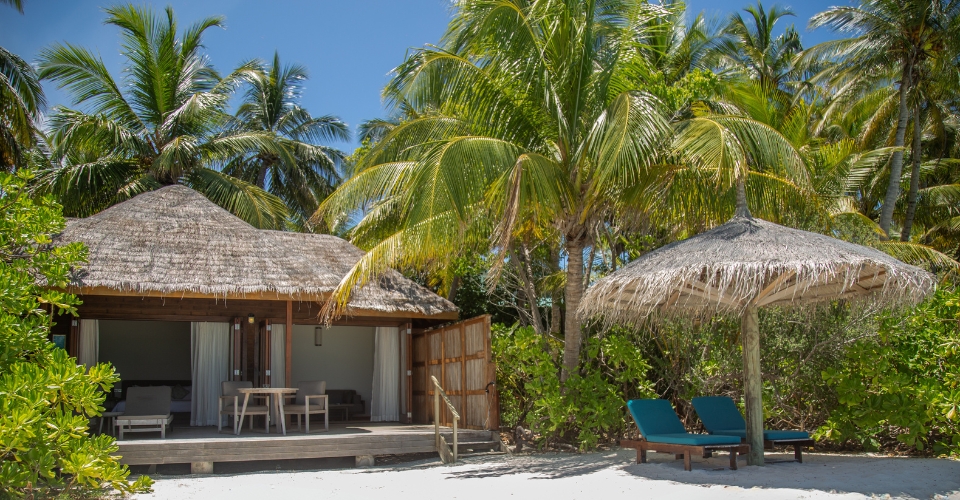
point(268, 390)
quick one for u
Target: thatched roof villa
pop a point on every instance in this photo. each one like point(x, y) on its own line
point(178, 291)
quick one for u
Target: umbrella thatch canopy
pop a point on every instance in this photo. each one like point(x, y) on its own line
point(174, 241)
point(745, 264)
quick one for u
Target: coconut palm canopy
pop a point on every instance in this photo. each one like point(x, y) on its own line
point(749, 260)
point(174, 241)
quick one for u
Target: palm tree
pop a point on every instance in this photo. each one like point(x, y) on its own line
point(749, 49)
point(518, 122)
point(21, 102)
point(528, 129)
point(161, 125)
point(295, 168)
point(890, 36)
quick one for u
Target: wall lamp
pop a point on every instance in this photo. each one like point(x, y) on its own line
point(251, 319)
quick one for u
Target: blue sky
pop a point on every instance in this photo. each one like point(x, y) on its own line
point(349, 46)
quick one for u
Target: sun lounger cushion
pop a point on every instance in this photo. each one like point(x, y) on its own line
point(767, 435)
point(655, 417)
point(720, 415)
point(658, 423)
point(719, 412)
point(693, 439)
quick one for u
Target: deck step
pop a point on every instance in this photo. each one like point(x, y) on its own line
point(474, 447)
point(481, 454)
point(485, 445)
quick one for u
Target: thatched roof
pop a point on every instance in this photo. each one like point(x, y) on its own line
point(722, 270)
point(174, 241)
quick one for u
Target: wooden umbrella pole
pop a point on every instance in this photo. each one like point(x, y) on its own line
point(752, 383)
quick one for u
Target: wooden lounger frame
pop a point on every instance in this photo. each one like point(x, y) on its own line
point(798, 445)
point(684, 451)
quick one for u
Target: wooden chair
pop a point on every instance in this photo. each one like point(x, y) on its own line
point(147, 410)
point(663, 432)
point(721, 417)
point(310, 399)
point(231, 403)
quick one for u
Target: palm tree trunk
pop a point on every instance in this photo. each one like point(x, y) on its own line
point(573, 291)
point(555, 297)
point(262, 174)
point(454, 286)
point(529, 290)
point(914, 176)
point(896, 162)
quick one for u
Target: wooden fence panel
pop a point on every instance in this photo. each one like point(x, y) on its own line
point(459, 356)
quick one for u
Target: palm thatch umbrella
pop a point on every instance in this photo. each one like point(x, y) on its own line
point(745, 264)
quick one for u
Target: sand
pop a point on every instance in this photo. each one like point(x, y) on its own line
point(610, 475)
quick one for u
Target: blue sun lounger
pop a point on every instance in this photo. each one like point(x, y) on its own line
point(721, 417)
point(662, 431)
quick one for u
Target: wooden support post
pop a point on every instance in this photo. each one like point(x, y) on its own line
point(73, 342)
point(408, 339)
point(752, 383)
point(288, 347)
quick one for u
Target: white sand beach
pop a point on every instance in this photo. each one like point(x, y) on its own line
point(602, 475)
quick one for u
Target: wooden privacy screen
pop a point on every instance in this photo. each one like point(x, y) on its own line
point(449, 353)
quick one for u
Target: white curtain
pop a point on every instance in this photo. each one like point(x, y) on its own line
point(385, 404)
point(89, 345)
point(278, 349)
point(210, 362)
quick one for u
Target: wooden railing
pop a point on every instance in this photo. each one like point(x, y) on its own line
point(442, 448)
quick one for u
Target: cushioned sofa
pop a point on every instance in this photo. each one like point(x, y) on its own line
point(347, 396)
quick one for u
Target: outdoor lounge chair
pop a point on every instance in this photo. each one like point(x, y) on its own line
point(147, 410)
point(231, 403)
point(721, 417)
point(662, 431)
point(310, 399)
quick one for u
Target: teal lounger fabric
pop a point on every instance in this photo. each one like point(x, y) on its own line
point(767, 435)
point(720, 416)
point(655, 417)
point(693, 439)
point(658, 423)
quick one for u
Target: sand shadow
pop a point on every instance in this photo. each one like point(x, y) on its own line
point(546, 466)
point(867, 475)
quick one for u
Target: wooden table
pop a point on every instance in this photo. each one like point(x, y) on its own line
point(344, 407)
point(275, 395)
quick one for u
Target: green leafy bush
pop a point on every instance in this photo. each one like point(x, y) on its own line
point(904, 385)
point(590, 408)
point(46, 400)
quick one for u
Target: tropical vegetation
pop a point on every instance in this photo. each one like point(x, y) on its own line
point(167, 122)
point(46, 398)
point(538, 146)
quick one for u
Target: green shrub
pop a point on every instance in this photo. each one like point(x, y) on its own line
point(904, 385)
point(46, 400)
point(591, 406)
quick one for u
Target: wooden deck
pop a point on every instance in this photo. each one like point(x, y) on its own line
point(204, 444)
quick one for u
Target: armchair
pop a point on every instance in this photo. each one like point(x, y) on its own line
point(310, 400)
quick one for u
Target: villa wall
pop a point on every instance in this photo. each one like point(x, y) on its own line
point(345, 360)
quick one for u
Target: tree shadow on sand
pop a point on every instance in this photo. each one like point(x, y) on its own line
point(552, 466)
point(867, 475)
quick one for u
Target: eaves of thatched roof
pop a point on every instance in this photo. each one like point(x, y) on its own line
point(175, 242)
